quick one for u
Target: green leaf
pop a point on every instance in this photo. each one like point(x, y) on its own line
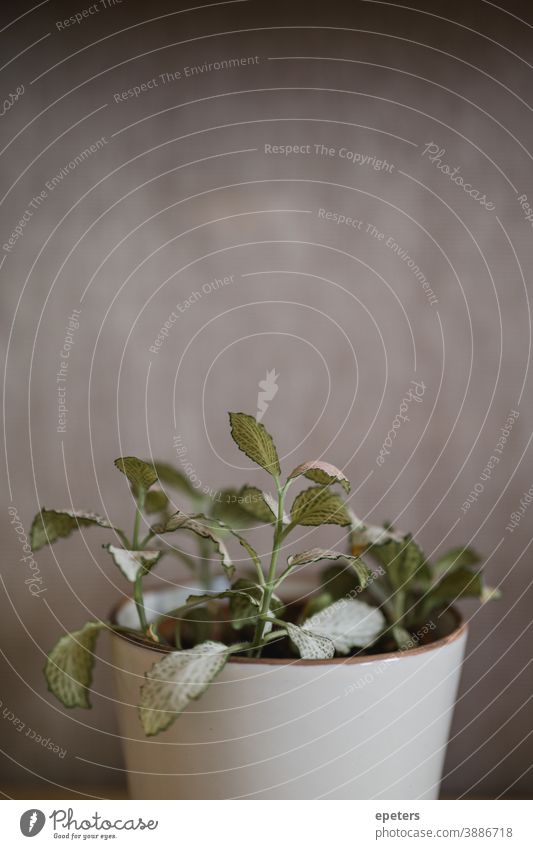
point(49, 525)
point(319, 506)
point(310, 646)
point(129, 562)
point(316, 554)
point(240, 507)
point(455, 559)
point(156, 501)
point(321, 472)
point(175, 681)
point(198, 525)
point(253, 502)
point(69, 667)
point(139, 473)
point(254, 440)
point(462, 583)
point(348, 623)
point(403, 561)
point(173, 477)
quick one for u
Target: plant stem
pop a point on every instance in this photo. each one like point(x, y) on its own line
point(138, 516)
point(269, 586)
point(139, 601)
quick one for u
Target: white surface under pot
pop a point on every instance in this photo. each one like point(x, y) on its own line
point(374, 727)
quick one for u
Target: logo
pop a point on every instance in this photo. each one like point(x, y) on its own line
point(268, 389)
point(32, 822)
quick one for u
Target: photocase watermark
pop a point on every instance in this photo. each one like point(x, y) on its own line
point(380, 667)
point(415, 393)
point(183, 306)
point(268, 388)
point(185, 73)
point(435, 154)
point(517, 515)
point(34, 581)
point(22, 728)
point(11, 99)
point(492, 462)
point(72, 326)
point(83, 14)
point(50, 185)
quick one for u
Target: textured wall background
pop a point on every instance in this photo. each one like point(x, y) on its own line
point(181, 192)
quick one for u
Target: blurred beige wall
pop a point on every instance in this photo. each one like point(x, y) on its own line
point(186, 189)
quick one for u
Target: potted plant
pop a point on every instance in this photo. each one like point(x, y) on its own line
point(347, 693)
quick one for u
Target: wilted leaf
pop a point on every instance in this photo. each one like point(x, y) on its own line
point(319, 506)
point(139, 473)
point(316, 554)
point(175, 681)
point(49, 525)
point(199, 526)
point(254, 440)
point(311, 646)
point(348, 623)
point(129, 562)
point(321, 472)
point(69, 666)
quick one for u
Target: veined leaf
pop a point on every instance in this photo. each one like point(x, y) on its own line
point(129, 562)
point(198, 525)
point(319, 506)
point(321, 472)
point(310, 645)
point(254, 440)
point(139, 473)
point(69, 666)
point(316, 554)
point(348, 623)
point(49, 525)
point(172, 683)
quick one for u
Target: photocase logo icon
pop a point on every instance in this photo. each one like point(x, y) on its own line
point(267, 390)
point(32, 822)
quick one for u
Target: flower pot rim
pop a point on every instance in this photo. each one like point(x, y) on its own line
point(460, 628)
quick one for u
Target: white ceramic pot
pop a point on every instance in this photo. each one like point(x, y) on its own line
point(360, 728)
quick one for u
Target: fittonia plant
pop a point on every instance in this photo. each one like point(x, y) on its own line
point(358, 608)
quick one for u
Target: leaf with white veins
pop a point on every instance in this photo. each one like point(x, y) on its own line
point(129, 562)
point(254, 440)
point(69, 666)
point(314, 555)
point(349, 623)
point(310, 645)
point(139, 473)
point(172, 683)
point(319, 506)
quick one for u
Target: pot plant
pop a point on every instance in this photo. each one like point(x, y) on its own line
point(248, 692)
